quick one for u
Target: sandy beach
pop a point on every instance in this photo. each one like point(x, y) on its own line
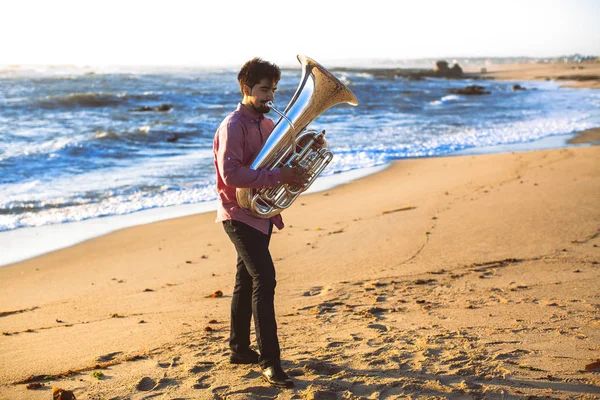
point(448, 277)
point(574, 75)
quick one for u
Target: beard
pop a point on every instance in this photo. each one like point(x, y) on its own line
point(261, 107)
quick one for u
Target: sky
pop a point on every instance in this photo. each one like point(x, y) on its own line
point(222, 32)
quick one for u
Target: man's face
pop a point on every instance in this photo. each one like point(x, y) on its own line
point(260, 94)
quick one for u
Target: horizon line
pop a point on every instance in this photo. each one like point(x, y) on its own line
point(14, 65)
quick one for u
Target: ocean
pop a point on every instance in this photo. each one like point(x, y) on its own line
point(88, 145)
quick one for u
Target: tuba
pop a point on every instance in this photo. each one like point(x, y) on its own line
point(290, 144)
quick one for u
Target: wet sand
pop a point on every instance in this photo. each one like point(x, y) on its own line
point(575, 75)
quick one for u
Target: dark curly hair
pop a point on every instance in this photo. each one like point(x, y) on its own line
point(256, 70)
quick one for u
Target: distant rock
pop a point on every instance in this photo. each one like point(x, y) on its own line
point(455, 72)
point(470, 90)
point(161, 108)
point(518, 87)
point(441, 67)
point(443, 71)
point(578, 77)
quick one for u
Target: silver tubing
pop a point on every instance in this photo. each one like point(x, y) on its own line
point(282, 115)
point(272, 107)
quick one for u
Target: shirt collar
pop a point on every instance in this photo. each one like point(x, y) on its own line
point(250, 113)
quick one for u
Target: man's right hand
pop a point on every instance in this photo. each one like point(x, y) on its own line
point(294, 176)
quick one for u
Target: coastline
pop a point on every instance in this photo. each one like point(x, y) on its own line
point(574, 75)
point(24, 243)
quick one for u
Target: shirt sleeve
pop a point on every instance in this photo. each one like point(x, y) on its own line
point(230, 155)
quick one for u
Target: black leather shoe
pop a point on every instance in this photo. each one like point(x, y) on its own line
point(276, 376)
point(247, 357)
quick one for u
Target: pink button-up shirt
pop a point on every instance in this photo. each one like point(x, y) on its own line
point(238, 140)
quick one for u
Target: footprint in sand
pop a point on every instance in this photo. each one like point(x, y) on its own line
point(378, 327)
point(252, 374)
point(374, 343)
point(202, 382)
point(145, 384)
point(511, 354)
point(202, 366)
point(315, 291)
point(374, 312)
point(376, 362)
point(169, 364)
point(322, 368)
point(165, 382)
point(329, 306)
point(378, 284)
point(257, 392)
point(356, 337)
point(295, 372)
point(219, 390)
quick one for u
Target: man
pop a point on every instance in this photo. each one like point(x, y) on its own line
point(238, 140)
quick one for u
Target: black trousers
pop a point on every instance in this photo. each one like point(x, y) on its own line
point(253, 293)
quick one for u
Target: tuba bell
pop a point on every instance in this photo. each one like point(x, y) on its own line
point(291, 144)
